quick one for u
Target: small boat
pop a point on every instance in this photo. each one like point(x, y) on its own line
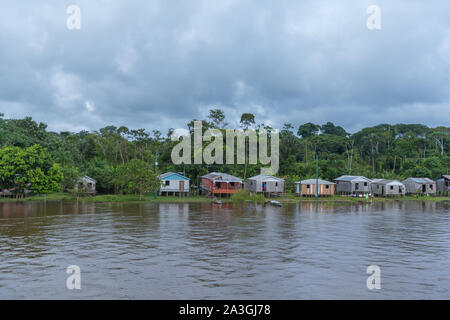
point(216, 201)
point(275, 203)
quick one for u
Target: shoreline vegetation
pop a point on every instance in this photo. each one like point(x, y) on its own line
point(121, 164)
point(238, 199)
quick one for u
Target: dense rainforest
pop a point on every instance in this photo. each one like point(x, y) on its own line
point(50, 161)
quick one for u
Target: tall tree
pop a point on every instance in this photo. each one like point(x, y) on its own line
point(308, 130)
point(247, 120)
point(217, 117)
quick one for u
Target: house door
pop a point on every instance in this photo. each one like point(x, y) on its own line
point(181, 186)
point(382, 190)
point(424, 188)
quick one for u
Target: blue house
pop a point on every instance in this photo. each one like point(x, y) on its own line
point(173, 184)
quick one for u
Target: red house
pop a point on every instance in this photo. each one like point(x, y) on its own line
point(216, 183)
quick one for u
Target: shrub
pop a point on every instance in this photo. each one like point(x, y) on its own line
point(244, 195)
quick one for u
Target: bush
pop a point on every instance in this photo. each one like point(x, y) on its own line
point(244, 195)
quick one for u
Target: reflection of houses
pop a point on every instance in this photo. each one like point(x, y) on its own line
point(173, 183)
point(13, 193)
point(5, 193)
point(86, 185)
point(216, 183)
point(420, 185)
point(308, 188)
point(352, 184)
point(383, 187)
point(265, 184)
point(443, 184)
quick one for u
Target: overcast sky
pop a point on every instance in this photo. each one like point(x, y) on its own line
point(157, 64)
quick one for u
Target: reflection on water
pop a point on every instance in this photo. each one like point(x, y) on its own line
point(190, 251)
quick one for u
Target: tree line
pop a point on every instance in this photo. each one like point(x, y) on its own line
point(121, 159)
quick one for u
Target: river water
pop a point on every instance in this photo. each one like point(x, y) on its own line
point(204, 251)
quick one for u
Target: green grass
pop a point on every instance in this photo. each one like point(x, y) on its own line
point(240, 197)
point(42, 197)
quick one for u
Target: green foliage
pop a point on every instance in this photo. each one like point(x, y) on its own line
point(136, 176)
point(308, 130)
point(103, 173)
point(382, 151)
point(247, 120)
point(330, 128)
point(217, 118)
point(29, 168)
point(244, 195)
point(71, 175)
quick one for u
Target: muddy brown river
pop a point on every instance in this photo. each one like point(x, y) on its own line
point(204, 251)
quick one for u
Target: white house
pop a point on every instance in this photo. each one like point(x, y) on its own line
point(87, 185)
point(384, 187)
point(265, 184)
point(352, 184)
point(173, 183)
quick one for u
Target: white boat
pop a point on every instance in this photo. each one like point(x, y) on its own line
point(275, 203)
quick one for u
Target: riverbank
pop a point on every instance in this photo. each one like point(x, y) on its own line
point(195, 199)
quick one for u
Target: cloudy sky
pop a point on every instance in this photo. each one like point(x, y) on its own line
point(157, 64)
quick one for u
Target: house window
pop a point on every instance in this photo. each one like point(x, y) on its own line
point(307, 186)
point(365, 184)
point(327, 186)
point(356, 186)
point(392, 187)
point(167, 182)
point(431, 186)
point(276, 184)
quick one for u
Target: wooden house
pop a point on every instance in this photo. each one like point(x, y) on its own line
point(352, 184)
point(86, 185)
point(218, 184)
point(174, 184)
point(6, 193)
point(384, 187)
point(443, 183)
point(420, 186)
point(267, 185)
point(308, 188)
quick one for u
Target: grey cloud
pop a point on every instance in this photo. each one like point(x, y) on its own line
point(158, 64)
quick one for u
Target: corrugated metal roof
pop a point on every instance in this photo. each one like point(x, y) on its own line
point(421, 180)
point(221, 177)
point(313, 181)
point(264, 177)
point(446, 176)
point(168, 174)
point(351, 178)
point(386, 182)
point(88, 178)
